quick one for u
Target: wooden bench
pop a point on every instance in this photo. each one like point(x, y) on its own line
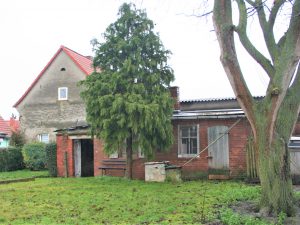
point(113, 164)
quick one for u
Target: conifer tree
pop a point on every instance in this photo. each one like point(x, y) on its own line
point(128, 102)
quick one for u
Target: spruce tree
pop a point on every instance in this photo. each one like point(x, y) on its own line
point(128, 102)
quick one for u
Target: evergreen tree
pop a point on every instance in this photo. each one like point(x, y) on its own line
point(128, 102)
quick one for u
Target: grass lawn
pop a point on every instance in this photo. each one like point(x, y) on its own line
point(20, 174)
point(107, 200)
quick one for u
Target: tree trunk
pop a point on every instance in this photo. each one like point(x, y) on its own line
point(274, 173)
point(128, 173)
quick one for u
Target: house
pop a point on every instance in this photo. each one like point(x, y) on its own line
point(6, 129)
point(215, 128)
point(195, 124)
point(53, 101)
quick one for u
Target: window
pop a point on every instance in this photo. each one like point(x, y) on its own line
point(43, 138)
point(114, 155)
point(63, 93)
point(140, 153)
point(188, 143)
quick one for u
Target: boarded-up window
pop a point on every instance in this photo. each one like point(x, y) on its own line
point(188, 143)
point(218, 152)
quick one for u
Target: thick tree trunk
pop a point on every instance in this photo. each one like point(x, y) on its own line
point(128, 173)
point(274, 173)
point(273, 118)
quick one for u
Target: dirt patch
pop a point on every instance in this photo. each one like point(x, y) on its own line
point(17, 180)
point(252, 209)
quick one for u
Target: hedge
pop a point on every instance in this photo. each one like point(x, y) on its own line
point(51, 159)
point(34, 155)
point(11, 159)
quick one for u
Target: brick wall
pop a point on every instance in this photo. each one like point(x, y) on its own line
point(237, 141)
point(64, 144)
point(98, 156)
point(237, 153)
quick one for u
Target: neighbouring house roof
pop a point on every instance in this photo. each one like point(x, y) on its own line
point(84, 63)
point(4, 127)
point(13, 124)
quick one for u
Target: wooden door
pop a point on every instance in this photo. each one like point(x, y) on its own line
point(219, 151)
point(77, 157)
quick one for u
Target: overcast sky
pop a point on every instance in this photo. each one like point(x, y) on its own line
point(33, 30)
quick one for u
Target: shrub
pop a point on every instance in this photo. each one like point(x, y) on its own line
point(17, 139)
point(51, 159)
point(34, 155)
point(11, 159)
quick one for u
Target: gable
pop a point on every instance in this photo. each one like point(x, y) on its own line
point(82, 63)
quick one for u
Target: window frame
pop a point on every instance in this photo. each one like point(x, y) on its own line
point(59, 93)
point(186, 155)
point(141, 154)
point(114, 155)
point(40, 138)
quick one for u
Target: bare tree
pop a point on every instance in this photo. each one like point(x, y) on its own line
point(273, 118)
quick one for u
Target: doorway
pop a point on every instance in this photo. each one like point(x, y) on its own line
point(83, 157)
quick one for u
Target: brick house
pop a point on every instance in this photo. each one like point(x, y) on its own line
point(195, 124)
point(52, 103)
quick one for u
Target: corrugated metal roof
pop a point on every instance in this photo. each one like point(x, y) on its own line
point(214, 99)
point(209, 114)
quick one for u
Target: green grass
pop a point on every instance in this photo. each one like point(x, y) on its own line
point(107, 200)
point(19, 174)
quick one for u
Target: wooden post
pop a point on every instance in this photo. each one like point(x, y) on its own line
point(251, 159)
point(66, 164)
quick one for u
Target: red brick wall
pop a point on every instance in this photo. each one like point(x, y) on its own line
point(64, 144)
point(237, 155)
point(237, 141)
point(98, 156)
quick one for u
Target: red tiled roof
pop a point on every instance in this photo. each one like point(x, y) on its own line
point(13, 124)
point(4, 127)
point(83, 62)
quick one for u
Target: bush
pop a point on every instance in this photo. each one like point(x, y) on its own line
point(51, 159)
point(11, 159)
point(34, 155)
point(17, 139)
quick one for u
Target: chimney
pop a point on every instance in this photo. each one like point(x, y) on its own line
point(89, 57)
point(175, 95)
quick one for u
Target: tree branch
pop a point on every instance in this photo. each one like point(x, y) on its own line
point(267, 29)
point(241, 29)
point(290, 107)
point(285, 66)
point(274, 11)
point(222, 18)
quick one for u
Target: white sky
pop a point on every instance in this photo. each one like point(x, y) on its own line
point(33, 30)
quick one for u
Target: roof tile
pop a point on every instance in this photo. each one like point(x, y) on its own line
point(4, 127)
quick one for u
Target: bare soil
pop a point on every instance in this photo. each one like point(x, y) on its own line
point(252, 209)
